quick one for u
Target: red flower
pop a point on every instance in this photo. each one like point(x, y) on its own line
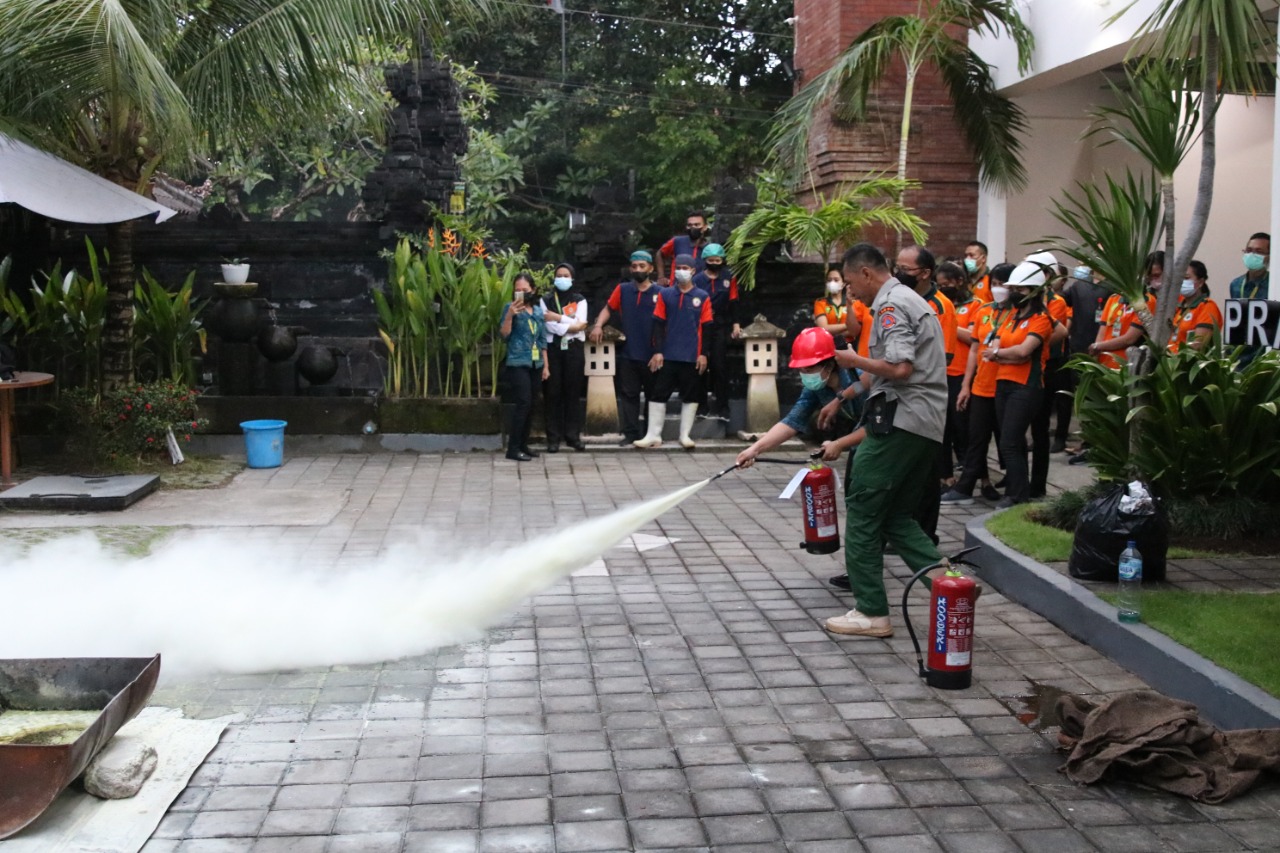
point(124, 417)
point(150, 439)
point(186, 438)
point(148, 407)
point(128, 408)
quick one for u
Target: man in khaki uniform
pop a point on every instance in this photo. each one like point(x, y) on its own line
point(905, 416)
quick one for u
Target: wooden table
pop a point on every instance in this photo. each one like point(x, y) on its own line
point(21, 379)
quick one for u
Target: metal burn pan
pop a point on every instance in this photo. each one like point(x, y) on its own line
point(32, 772)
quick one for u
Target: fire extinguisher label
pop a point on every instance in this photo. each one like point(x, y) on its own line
point(953, 630)
point(960, 633)
point(820, 507)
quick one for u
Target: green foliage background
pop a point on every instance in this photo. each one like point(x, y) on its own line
point(659, 101)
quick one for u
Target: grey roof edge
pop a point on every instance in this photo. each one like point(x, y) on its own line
point(1223, 697)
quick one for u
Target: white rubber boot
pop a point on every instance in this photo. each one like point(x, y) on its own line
point(653, 437)
point(688, 412)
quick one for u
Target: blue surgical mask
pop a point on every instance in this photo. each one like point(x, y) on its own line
point(1254, 262)
point(1188, 287)
point(812, 381)
point(1082, 273)
point(563, 283)
point(970, 265)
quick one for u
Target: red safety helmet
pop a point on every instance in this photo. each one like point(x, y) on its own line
point(812, 346)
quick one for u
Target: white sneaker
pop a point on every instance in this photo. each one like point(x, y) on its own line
point(648, 441)
point(857, 624)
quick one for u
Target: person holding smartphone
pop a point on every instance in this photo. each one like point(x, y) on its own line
point(524, 329)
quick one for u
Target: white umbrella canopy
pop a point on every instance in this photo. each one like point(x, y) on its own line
point(52, 187)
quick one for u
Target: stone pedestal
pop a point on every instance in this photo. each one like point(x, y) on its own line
point(760, 341)
point(602, 400)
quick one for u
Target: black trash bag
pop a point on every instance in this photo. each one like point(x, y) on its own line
point(1105, 529)
point(8, 362)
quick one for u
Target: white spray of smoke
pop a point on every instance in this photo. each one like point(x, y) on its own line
point(209, 603)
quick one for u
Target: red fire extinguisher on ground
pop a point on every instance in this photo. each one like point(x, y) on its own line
point(952, 598)
point(818, 503)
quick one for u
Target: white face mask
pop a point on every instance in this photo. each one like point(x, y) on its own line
point(1188, 287)
point(684, 276)
point(999, 293)
point(563, 282)
point(834, 287)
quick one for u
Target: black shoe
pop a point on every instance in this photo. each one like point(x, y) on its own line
point(999, 485)
point(840, 581)
point(1058, 446)
point(1078, 459)
point(990, 492)
point(1006, 503)
point(519, 456)
point(532, 454)
point(1037, 493)
point(577, 444)
point(553, 447)
point(626, 442)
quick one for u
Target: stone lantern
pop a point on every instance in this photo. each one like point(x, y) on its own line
point(601, 365)
point(760, 341)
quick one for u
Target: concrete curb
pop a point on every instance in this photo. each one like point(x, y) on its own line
point(1224, 698)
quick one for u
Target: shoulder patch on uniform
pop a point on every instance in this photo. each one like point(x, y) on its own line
point(696, 302)
point(887, 309)
point(887, 321)
point(1024, 324)
point(655, 298)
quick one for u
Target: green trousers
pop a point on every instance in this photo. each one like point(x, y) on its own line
point(890, 474)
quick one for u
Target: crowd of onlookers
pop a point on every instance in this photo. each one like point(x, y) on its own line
point(1008, 331)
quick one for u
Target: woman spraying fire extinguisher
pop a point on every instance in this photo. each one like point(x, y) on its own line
point(813, 355)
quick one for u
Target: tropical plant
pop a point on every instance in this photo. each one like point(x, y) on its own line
point(1115, 225)
point(1159, 120)
point(1209, 428)
point(60, 331)
point(872, 203)
point(440, 315)
point(167, 329)
point(935, 35)
point(1210, 46)
point(126, 89)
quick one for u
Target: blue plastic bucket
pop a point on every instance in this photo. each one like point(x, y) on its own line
point(264, 443)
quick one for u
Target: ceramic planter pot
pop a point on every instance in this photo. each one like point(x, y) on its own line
point(235, 273)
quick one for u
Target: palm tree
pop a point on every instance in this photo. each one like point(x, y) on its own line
point(128, 87)
point(990, 122)
point(872, 203)
point(1211, 46)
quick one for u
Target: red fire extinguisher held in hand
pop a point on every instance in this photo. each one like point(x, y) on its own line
point(818, 503)
point(952, 598)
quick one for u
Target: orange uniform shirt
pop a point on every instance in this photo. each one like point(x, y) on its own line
point(862, 314)
point(966, 314)
point(1059, 312)
point(1118, 317)
point(982, 289)
point(834, 313)
point(1014, 332)
point(989, 319)
point(946, 311)
point(1194, 316)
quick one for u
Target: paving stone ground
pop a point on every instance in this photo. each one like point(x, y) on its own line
point(687, 699)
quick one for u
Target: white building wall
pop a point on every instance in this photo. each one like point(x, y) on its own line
point(1072, 46)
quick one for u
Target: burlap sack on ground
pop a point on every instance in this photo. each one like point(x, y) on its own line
point(1149, 738)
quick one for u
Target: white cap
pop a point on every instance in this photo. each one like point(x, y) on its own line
point(1031, 272)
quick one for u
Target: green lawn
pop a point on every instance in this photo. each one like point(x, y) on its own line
point(1229, 628)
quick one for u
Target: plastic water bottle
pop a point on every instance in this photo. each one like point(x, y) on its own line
point(1130, 598)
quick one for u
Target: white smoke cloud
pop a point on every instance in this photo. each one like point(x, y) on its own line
point(209, 602)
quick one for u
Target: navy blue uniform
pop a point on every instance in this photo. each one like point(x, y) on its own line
point(678, 319)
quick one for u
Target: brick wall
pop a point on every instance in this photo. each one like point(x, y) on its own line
point(839, 152)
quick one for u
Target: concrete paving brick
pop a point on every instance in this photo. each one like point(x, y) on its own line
point(692, 680)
